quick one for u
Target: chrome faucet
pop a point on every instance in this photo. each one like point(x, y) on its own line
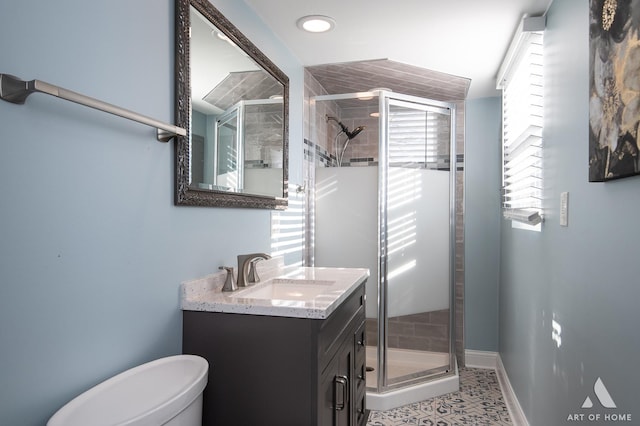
point(246, 268)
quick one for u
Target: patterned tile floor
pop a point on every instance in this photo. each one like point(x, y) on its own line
point(478, 402)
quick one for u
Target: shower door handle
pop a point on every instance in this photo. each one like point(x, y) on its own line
point(341, 392)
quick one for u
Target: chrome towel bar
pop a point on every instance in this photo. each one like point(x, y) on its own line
point(15, 90)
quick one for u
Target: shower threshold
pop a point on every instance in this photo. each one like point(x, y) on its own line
point(405, 363)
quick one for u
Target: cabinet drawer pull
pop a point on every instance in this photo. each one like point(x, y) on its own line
point(341, 392)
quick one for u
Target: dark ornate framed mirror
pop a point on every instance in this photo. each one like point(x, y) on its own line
point(234, 103)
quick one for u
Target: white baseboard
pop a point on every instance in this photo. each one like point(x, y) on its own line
point(513, 405)
point(480, 359)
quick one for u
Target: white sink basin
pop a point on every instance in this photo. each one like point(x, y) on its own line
point(286, 289)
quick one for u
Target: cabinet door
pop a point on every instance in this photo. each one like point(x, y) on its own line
point(336, 391)
point(326, 410)
point(343, 386)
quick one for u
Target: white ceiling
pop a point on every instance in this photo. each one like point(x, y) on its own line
point(465, 38)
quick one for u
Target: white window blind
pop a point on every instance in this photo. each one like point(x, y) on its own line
point(522, 122)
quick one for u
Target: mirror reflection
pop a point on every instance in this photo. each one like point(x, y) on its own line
point(237, 117)
point(234, 102)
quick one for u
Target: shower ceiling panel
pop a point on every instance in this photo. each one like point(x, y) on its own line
point(357, 103)
point(363, 76)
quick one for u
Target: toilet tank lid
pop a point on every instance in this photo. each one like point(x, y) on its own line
point(149, 394)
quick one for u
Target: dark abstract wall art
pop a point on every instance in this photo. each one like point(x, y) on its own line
point(614, 85)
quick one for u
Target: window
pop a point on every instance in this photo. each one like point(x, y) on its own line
point(521, 81)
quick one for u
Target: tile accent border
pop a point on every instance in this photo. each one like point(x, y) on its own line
point(493, 361)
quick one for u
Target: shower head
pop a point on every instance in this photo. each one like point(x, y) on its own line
point(345, 129)
point(355, 132)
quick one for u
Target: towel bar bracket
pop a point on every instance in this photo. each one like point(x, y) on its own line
point(15, 90)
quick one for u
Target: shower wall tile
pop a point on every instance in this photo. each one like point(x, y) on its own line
point(459, 266)
point(261, 120)
point(423, 317)
point(423, 344)
point(316, 126)
point(439, 317)
point(434, 331)
point(371, 331)
point(398, 328)
point(427, 331)
point(460, 107)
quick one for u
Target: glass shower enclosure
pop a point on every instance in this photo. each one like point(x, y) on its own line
point(390, 206)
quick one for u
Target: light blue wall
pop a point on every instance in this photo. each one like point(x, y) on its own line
point(92, 249)
point(198, 123)
point(585, 276)
point(482, 223)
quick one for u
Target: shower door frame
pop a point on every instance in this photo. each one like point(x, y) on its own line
point(384, 96)
point(385, 99)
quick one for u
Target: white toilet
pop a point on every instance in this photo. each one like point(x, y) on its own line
point(167, 391)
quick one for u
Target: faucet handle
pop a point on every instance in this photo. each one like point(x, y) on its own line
point(253, 276)
point(229, 282)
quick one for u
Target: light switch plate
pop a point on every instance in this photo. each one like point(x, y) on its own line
point(564, 209)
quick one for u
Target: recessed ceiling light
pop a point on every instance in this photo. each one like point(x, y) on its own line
point(316, 23)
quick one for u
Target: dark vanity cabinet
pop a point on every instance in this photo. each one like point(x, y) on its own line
point(273, 370)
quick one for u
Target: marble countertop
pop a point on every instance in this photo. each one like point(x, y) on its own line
point(205, 294)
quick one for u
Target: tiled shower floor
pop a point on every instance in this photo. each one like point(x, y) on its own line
point(478, 402)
